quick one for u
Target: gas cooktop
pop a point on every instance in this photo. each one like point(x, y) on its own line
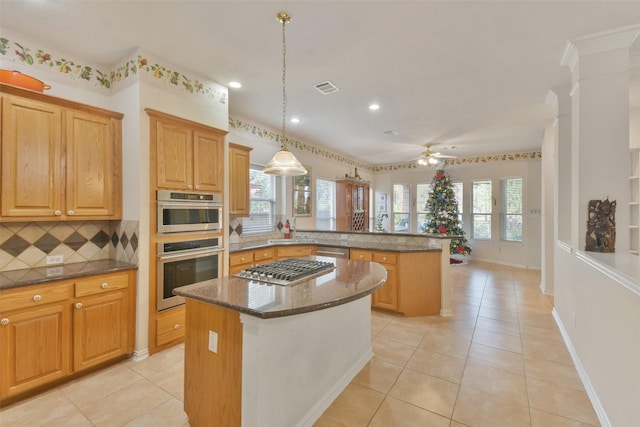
point(287, 271)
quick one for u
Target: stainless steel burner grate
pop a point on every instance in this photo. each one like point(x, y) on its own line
point(287, 271)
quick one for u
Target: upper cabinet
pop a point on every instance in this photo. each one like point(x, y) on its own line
point(239, 157)
point(189, 156)
point(352, 205)
point(60, 160)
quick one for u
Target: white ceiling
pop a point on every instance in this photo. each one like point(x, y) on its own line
point(474, 74)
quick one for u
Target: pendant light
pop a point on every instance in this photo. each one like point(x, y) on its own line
point(284, 162)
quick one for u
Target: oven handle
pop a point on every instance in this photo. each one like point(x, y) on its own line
point(190, 253)
point(189, 204)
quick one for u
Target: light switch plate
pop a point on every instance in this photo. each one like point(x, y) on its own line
point(213, 341)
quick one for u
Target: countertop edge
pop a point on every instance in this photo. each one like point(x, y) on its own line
point(43, 275)
point(392, 247)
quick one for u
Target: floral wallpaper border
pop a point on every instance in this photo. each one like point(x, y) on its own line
point(106, 79)
point(270, 135)
point(141, 64)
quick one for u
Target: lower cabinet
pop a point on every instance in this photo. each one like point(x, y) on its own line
point(295, 251)
point(413, 281)
point(170, 325)
point(238, 261)
point(51, 331)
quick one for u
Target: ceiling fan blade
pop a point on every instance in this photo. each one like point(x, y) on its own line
point(443, 156)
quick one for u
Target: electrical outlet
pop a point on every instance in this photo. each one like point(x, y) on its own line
point(213, 341)
point(54, 271)
point(55, 259)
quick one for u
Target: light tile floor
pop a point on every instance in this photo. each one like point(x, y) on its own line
point(499, 361)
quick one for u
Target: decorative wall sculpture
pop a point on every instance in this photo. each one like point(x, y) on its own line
point(601, 226)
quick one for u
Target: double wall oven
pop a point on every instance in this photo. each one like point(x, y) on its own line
point(190, 226)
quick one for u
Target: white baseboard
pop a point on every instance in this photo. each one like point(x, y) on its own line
point(591, 392)
point(139, 355)
point(325, 401)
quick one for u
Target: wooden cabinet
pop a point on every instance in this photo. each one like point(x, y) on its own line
point(295, 251)
point(101, 320)
point(34, 337)
point(413, 281)
point(170, 325)
point(186, 155)
point(48, 332)
point(352, 205)
point(239, 164)
point(387, 296)
point(238, 261)
point(60, 160)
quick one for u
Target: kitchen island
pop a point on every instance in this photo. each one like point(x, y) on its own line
point(273, 355)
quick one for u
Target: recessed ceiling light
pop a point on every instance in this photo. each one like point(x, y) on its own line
point(295, 120)
point(374, 107)
point(235, 85)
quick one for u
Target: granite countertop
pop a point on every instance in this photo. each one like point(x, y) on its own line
point(34, 276)
point(349, 281)
point(380, 246)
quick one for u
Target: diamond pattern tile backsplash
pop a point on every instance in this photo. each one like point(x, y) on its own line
point(27, 244)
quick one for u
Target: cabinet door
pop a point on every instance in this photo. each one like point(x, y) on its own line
point(92, 161)
point(239, 165)
point(35, 347)
point(32, 182)
point(295, 251)
point(174, 156)
point(208, 152)
point(386, 297)
point(99, 329)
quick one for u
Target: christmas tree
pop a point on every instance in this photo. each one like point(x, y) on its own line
point(442, 213)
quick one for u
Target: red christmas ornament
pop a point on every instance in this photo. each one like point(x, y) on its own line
point(440, 175)
point(442, 229)
point(460, 249)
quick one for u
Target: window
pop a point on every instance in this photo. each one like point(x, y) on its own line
point(401, 208)
point(481, 209)
point(325, 204)
point(511, 212)
point(262, 202)
point(422, 210)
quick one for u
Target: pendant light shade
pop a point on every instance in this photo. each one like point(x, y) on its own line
point(284, 162)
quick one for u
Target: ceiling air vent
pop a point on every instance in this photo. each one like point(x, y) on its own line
point(326, 88)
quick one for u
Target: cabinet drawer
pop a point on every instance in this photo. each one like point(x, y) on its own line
point(170, 326)
point(264, 254)
point(295, 251)
point(384, 257)
point(96, 285)
point(34, 296)
point(240, 258)
point(360, 255)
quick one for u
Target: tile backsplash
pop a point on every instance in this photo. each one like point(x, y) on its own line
point(27, 244)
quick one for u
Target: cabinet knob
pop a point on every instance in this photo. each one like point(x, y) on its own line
point(37, 298)
point(242, 259)
point(105, 285)
point(78, 305)
point(384, 258)
point(4, 322)
point(197, 187)
point(189, 186)
point(361, 256)
point(70, 212)
point(57, 213)
point(176, 326)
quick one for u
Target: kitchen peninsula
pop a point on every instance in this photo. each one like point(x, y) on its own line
point(273, 355)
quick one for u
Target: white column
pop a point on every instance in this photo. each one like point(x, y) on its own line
point(445, 278)
point(548, 208)
point(600, 126)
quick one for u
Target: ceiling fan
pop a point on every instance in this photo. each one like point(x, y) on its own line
point(432, 158)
